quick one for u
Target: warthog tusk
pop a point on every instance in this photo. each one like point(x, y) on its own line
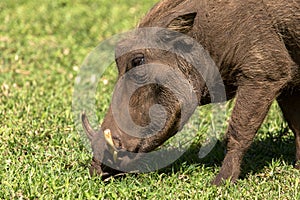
point(108, 139)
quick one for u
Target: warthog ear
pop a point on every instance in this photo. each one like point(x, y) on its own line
point(183, 23)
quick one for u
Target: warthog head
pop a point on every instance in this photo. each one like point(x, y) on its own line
point(157, 91)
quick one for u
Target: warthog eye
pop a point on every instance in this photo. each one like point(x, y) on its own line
point(137, 61)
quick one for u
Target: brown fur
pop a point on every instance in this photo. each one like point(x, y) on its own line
point(256, 46)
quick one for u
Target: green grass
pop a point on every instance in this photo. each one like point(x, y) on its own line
point(42, 44)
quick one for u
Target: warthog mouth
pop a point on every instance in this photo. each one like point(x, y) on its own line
point(106, 172)
point(107, 159)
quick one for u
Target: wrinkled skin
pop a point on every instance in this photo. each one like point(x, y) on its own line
point(255, 45)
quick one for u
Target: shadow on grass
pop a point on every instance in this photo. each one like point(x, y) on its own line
point(261, 153)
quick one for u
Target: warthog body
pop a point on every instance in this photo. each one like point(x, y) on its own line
point(256, 47)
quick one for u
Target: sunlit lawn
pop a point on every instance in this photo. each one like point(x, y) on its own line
point(42, 45)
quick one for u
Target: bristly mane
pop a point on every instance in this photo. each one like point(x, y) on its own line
point(156, 13)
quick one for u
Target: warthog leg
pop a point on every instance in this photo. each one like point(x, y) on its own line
point(254, 97)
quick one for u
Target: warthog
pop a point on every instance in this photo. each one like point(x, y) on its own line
point(256, 48)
